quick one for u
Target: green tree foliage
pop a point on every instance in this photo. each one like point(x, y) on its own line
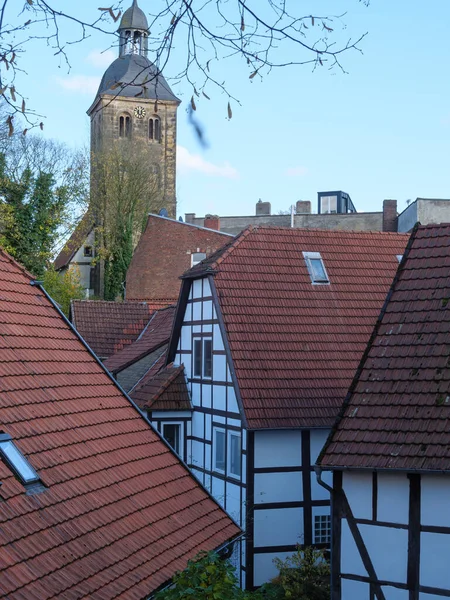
point(63, 287)
point(304, 576)
point(31, 210)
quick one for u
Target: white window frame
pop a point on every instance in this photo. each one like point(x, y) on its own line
point(308, 256)
point(194, 261)
point(328, 200)
point(180, 435)
point(203, 339)
point(228, 434)
point(222, 431)
point(318, 539)
point(16, 461)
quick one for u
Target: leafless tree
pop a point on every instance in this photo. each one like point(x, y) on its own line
point(260, 32)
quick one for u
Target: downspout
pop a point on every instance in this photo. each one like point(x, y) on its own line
point(318, 471)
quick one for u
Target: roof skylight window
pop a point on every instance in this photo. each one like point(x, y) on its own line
point(15, 460)
point(316, 268)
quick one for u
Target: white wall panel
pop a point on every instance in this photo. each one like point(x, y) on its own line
point(423, 596)
point(218, 399)
point(355, 590)
point(318, 492)
point(186, 360)
point(265, 570)
point(232, 402)
point(206, 287)
point(234, 422)
point(358, 489)
point(185, 338)
point(195, 394)
point(207, 310)
point(278, 527)
point(219, 368)
point(198, 429)
point(434, 560)
point(278, 449)
point(206, 395)
point(218, 490)
point(278, 487)
point(393, 498)
point(197, 454)
point(196, 328)
point(389, 565)
point(234, 501)
point(350, 558)
point(188, 313)
point(197, 288)
point(207, 328)
point(318, 439)
point(196, 311)
point(218, 341)
point(208, 428)
point(392, 593)
point(435, 502)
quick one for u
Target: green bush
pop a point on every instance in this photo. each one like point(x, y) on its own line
point(304, 576)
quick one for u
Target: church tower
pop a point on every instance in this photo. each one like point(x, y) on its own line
point(135, 103)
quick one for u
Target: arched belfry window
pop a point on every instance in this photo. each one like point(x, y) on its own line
point(125, 126)
point(154, 129)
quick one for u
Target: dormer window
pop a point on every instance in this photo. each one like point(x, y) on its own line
point(316, 268)
point(15, 460)
point(154, 129)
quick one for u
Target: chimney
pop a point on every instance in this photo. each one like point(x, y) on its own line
point(303, 206)
point(389, 215)
point(212, 222)
point(262, 208)
point(189, 217)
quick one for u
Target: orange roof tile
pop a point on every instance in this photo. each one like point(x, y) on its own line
point(295, 346)
point(120, 514)
point(397, 415)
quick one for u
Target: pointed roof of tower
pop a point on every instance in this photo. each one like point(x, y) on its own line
point(134, 18)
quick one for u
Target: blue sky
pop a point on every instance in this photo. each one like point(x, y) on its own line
point(380, 131)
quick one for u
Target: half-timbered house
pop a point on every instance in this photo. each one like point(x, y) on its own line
point(270, 330)
point(390, 450)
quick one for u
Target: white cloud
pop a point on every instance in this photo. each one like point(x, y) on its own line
point(296, 172)
point(187, 162)
point(100, 59)
point(83, 84)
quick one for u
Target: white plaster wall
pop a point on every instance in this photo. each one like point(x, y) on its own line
point(318, 439)
point(219, 367)
point(218, 490)
point(355, 590)
point(435, 501)
point(278, 527)
point(206, 288)
point(388, 549)
point(219, 398)
point(278, 449)
point(234, 501)
point(318, 492)
point(351, 562)
point(358, 489)
point(392, 593)
point(217, 342)
point(207, 310)
point(435, 560)
point(423, 596)
point(278, 487)
point(393, 498)
point(265, 570)
point(232, 401)
point(196, 288)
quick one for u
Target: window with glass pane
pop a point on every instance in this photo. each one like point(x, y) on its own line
point(171, 433)
point(235, 454)
point(322, 529)
point(197, 357)
point(317, 269)
point(197, 257)
point(219, 450)
point(328, 204)
point(17, 462)
point(207, 358)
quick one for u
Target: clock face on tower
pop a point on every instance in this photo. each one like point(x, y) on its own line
point(139, 112)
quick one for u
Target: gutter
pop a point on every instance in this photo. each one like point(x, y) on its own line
point(318, 471)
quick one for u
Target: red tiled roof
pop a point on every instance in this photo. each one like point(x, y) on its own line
point(82, 230)
point(163, 254)
point(167, 390)
point(398, 415)
point(120, 513)
point(109, 326)
point(156, 333)
point(295, 345)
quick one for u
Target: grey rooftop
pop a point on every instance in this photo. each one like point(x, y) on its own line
point(134, 18)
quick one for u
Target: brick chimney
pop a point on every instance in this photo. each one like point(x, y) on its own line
point(212, 222)
point(262, 208)
point(303, 206)
point(389, 215)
